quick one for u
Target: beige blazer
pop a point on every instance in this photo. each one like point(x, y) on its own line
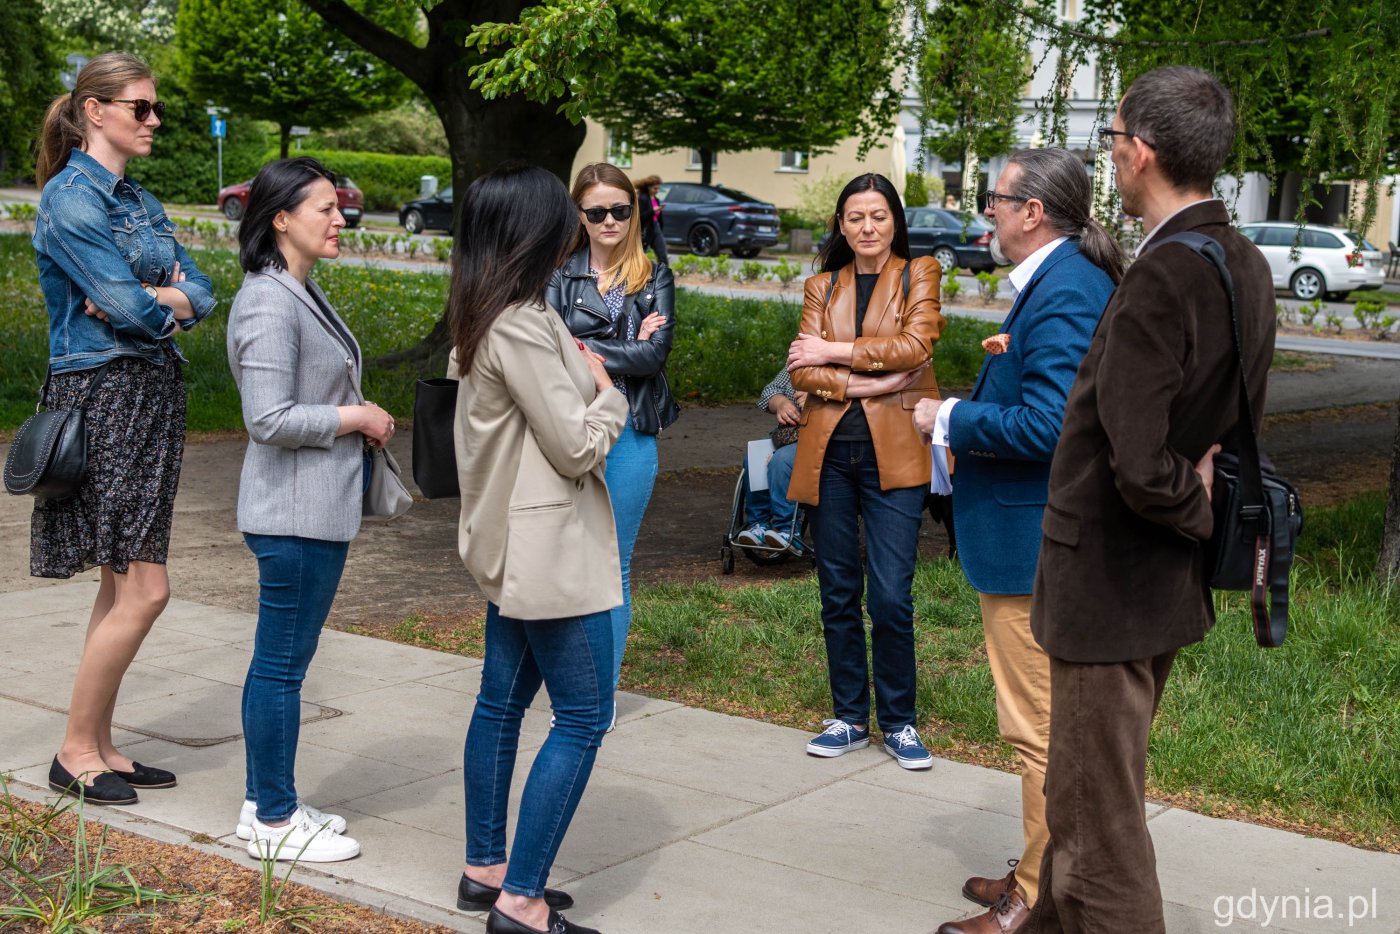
point(531, 434)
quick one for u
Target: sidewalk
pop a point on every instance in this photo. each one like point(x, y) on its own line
point(694, 823)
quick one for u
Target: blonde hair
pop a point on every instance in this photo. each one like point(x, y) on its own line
point(64, 126)
point(629, 264)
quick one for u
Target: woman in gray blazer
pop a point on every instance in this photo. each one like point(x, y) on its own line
point(536, 414)
point(304, 474)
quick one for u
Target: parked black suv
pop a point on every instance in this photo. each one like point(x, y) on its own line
point(708, 218)
point(431, 213)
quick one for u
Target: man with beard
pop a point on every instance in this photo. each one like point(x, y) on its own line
point(1121, 583)
point(1003, 437)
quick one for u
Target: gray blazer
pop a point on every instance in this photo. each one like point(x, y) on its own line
point(293, 368)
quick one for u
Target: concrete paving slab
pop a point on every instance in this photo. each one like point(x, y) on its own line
point(724, 755)
point(54, 687)
point(364, 655)
point(162, 641)
point(66, 597)
point(693, 889)
point(216, 624)
point(227, 663)
point(1204, 860)
point(57, 635)
point(851, 831)
point(32, 735)
point(1182, 919)
point(211, 713)
point(954, 782)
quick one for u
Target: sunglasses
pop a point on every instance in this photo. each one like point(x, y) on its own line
point(620, 212)
point(994, 196)
point(141, 108)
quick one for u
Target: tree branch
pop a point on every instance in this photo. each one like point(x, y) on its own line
point(375, 39)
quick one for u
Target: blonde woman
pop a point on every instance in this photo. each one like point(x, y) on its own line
point(118, 288)
point(622, 306)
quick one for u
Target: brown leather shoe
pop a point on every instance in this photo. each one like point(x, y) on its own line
point(1007, 916)
point(986, 891)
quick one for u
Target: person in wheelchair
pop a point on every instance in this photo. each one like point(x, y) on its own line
point(770, 516)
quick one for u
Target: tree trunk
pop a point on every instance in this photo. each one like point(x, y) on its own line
point(707, 158)
point(1388, 569)
point(286, 130)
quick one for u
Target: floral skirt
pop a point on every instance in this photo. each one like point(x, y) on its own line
point(135, 444)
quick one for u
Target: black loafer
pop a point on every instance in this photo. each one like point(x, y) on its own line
point(497, 923)
point(106, 788)
point(477, 896)
point(145, 776)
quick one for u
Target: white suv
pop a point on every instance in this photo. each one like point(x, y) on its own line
point(1331, 261)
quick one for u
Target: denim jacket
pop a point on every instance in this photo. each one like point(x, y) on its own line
point(99, 236)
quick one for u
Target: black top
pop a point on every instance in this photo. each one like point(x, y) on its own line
point(853, 426)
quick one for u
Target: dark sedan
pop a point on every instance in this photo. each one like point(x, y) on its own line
point(233, 200)
point(708, 218)
point(954, 238)
point(431, 213)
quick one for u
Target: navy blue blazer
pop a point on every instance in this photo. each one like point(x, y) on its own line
point(1004, 436)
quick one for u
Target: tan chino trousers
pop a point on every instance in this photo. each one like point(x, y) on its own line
point(1021, 670)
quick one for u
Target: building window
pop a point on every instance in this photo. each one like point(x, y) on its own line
point(619, 151)
point(694, 164)
point(792, 160)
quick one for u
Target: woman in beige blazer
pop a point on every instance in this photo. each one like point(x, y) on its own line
point(536, 414)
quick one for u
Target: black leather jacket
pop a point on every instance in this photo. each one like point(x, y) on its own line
point(574, 294)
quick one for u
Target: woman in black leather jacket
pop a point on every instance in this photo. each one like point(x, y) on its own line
point(622, 306)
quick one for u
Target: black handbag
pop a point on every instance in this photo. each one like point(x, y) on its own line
point(48, 457)
point(434, 452)
point(1258, 515)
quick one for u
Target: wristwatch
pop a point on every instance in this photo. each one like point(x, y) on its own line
point(150, 289)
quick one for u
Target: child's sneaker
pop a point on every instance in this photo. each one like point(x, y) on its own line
point(753, 535)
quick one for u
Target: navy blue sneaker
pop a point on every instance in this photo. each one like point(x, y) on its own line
point(908, 750)
point(837, 739)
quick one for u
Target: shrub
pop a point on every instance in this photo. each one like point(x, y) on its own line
point(816, 200)
point(751, 270)
point(951, 288)
point(786, 271)
point(1310, 311)
point(987, 286)
point(687, 264)
point(915, 190)
point(716, 268)
point(386, 180)
point(442, 249)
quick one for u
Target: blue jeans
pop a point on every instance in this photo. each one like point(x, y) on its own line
point(631, 474)
point(297, 580)
point(771, 507)
point(571, 657)
point(850, 493)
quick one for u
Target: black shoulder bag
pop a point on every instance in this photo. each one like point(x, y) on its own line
point(48, 457)
point(1258, 514)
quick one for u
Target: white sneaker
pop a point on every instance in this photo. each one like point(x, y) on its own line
point(301, 840)
point(249, 812)
point(753, 535)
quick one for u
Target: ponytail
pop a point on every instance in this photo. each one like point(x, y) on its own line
point(61, 131)
point(1101, 249)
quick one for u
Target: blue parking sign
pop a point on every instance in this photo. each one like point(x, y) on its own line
point(216, 126)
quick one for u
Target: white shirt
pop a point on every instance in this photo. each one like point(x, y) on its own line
point(1020, 277)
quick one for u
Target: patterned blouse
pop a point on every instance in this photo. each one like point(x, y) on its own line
point(615, 298)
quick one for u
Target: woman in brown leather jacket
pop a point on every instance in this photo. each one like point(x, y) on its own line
point(869, 322)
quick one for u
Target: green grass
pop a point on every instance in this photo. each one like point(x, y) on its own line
point(726, 350)
point(1307, 735)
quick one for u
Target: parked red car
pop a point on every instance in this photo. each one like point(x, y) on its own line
point(233, 200)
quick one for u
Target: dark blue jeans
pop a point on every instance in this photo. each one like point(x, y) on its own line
point(297, 580)
point(573, 658)
point(850, 495)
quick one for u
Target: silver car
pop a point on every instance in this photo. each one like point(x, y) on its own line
point(1330, 261)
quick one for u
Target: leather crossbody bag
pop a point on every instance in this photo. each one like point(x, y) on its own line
point(1258, 514)
point(48, 457)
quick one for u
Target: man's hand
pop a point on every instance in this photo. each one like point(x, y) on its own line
point(1205, 469)
point(926, 416)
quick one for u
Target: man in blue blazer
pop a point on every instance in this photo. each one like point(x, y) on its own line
point(1003, 438)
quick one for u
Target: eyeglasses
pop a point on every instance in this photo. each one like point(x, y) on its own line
point(140, 107)
point(620, 212)
point(994, 196)
point(1106, 134)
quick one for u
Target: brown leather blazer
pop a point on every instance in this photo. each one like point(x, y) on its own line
point(896, 334)
point(1121, 574)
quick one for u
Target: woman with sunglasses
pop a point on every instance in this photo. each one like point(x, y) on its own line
point(118, 288)
point(869, 323)
point(623, 308)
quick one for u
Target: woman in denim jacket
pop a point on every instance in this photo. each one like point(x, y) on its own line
point(117, 287)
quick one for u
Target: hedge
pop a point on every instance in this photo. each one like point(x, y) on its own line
point(387, 181)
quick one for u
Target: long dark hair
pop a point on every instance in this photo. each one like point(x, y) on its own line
point(838, 252)
point(278, 186)
point(65, 128)
point(518, 224)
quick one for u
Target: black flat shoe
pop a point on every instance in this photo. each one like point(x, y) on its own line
point(106, 788)
point(145, 776)
point(497, 923)
point(477, 896)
